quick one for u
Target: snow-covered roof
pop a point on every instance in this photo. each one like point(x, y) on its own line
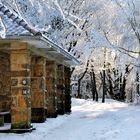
point(14, 24)
point(18, 29)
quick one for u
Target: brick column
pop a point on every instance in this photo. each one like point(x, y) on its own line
point(38, 86)
point(67, 90)
point(51, 81)
point(60, 90)
point(20, 86)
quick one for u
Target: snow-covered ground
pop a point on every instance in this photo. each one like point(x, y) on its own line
point(89, 121)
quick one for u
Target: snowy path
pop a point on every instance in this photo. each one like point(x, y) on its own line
point(88, 121)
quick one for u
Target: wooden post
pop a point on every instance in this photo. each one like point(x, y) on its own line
point(51, 81)
point(38, 86)
point(20, 86)
point(60, 90)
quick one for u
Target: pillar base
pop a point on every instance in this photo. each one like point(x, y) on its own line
point(51, 114)
point(1, 120)
point(20, 126)
point(60, 110)
point(38, 115)
point(18, 131)
point(67, 103)
point(51, 108)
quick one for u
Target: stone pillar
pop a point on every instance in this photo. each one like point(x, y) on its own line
point(60, 90)
point(67, 90)
point(20, 86)
point(38, 86)
point(51, 81)
point(5, 84)
point(1, 120)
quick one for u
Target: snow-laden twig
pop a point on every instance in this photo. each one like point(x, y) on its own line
point(2, 29)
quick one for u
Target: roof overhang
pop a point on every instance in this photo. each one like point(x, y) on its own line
point(42, 46)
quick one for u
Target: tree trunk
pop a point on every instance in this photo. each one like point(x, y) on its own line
point(137, 83)
point(79, 87)
point(93, 88)
point(122, 89)
point(117, 84)
point(80, 79)
point(104, 83)
point(104, 87)
point(123, 85)
point(110, 91)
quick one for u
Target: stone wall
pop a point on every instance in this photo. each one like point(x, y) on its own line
point(60, 90)
point(30, 86)
point(20, 86)
point(38, 88)
point(67, 90)
point(51, 97)
point(5, 84)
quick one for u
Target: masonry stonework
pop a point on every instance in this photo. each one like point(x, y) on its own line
point(5, 94)
point(60, 89)
point(20, 86)
point(5, 99)
point(67, 90)
point(31, 86)
point(38, 86)
point(51, 81)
